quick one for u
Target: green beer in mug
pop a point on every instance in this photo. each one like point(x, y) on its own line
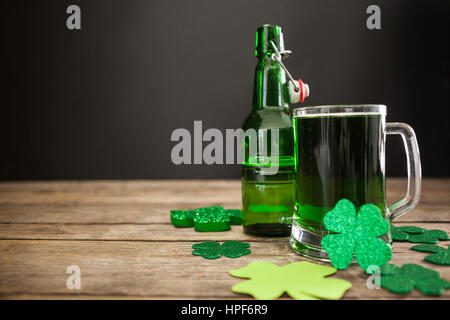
point(340, 153)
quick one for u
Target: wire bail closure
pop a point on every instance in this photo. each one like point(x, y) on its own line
point(277, 56)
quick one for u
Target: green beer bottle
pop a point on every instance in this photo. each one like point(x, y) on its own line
point(268, 197)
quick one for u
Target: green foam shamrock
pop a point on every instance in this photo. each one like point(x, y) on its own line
point(301, 280)
point(356, 235)
point(409, 276)
point(402, 233)
point(440, 255)
point(417, 235)
point(213, 249)
point(429, 236)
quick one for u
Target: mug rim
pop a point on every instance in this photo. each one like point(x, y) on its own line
point(340, 110)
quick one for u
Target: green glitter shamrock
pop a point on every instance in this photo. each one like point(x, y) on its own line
point(213, 218)
point(182, 218)
point(356, 235)
point(301, 280)
point(235, 216)
point(213, 249)
point(417, 235)
point(440, 255)
point(185, 218)
point(211, 221)
point(409, 276)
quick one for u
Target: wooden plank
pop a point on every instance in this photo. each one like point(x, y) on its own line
point(155, 269)
point(169, 191)
point(151, 213)
point(150, 232)
point(118, 232)
point(150, 202)
point(97, 213)
point(113, 192)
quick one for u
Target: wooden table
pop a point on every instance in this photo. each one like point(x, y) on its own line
point(119, 234)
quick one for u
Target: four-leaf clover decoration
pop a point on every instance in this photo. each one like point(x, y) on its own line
point(301, 280)
point(410, 276)
point(214, 250)
point(440, 255)
point(356, 234)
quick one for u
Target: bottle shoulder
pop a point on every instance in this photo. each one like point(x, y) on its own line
point(268, 118)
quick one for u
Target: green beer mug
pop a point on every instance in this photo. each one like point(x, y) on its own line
point(340, 153)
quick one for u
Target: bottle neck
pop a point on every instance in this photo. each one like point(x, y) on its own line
point(268, 88)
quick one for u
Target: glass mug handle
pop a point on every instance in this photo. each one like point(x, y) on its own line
point(412, 197)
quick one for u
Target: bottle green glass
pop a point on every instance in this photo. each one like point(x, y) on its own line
point(268, 198)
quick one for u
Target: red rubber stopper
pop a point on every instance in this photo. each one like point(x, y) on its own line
point(302, 90)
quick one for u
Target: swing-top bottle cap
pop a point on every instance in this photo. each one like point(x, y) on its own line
point(298, 92)
point(264, 35)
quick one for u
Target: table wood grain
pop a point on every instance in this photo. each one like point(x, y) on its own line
point(119, 234)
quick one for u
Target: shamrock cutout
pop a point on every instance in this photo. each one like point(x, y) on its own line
point(440, 255)
point(429, 236)
point(235, 216)
point(185, 218)
point(209, 219)
point(301, 280)
point(409, 276)
point(417, 235)
point(182, 218)
point(212, 218)
point(213, 249)
point(402, 233)
point(355, 235)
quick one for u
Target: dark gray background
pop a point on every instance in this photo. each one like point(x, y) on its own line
point(101, 103)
